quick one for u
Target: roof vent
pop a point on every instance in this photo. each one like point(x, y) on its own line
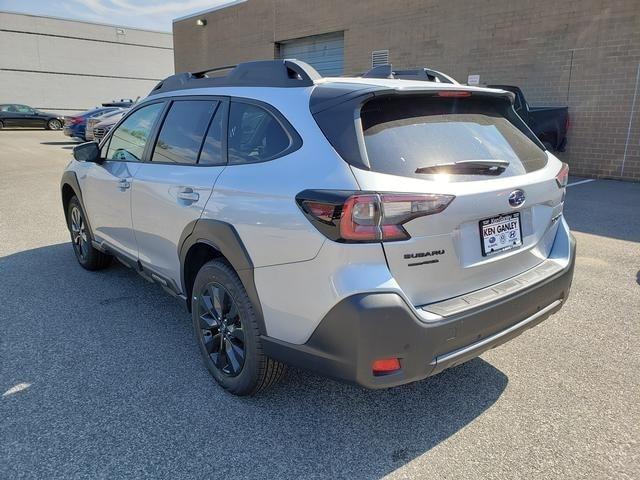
point(379, 57)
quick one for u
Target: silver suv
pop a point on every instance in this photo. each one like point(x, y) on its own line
point(376, 229)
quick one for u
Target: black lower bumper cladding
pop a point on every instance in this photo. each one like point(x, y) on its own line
point(370, 326)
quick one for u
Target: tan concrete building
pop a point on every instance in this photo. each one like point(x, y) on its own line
point(580, 53)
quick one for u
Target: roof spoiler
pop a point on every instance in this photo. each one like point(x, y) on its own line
point(261, 73)
point(423, 74)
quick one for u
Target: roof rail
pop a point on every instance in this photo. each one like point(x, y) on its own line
point(424, 74)
point(260, 73)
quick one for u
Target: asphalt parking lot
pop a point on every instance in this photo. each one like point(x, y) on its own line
point(100, 376)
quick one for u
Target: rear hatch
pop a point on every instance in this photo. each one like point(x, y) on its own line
point(503, 217)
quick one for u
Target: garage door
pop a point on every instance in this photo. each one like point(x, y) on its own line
point(324, 52)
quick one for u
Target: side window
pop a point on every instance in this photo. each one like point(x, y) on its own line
point(23, 109)
point(212, 149)
point(182, 131)
point(254, 134)
point(129, 139)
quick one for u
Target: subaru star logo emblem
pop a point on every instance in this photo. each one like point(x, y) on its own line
point(516, 198)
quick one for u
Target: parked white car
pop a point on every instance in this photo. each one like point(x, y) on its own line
point(102, 128)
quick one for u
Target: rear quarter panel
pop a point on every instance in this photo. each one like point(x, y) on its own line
point(259, 199)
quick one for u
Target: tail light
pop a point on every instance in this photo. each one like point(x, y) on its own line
point(562, 178)
point(367, 217)
point(454, 93)
point(75, 120)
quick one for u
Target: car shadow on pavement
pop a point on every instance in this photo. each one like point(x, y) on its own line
point(608, 208)
point(22, 129)
point(60, 143)
point(102, 378)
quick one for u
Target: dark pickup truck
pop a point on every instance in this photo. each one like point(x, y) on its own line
point(550, 124)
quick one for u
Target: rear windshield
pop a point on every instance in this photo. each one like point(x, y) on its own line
point(403, 134)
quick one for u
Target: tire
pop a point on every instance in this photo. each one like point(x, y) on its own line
point(221, 310)
point(1, 124)
point(54, 124)
point(88, 257)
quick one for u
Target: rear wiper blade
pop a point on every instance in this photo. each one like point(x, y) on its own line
point(490, 167)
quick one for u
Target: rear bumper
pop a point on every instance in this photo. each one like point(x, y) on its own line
point(74, 132)
point(369, 326)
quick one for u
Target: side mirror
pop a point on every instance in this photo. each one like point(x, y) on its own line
point(87, 152)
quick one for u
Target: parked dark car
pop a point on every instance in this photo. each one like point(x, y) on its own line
point(550, 124)
point(16, 115)
point(75, 125)
point(123, 103)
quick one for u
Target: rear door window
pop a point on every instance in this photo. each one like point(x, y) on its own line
point(404, 135)
point(213, 148)
point(183, 130)
point(254, 134)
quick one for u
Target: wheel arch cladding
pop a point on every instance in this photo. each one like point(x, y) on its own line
point(204, 240)
point(69, 187)
point(67, 193)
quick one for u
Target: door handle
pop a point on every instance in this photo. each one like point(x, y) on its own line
point(124, 184)
point(188, 195)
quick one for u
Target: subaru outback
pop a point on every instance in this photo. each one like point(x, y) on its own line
point(376, 229)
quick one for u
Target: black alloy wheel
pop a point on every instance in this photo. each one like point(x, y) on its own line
point(221, 330)
point(86, 254)
point(79, 237)
point(227, 331)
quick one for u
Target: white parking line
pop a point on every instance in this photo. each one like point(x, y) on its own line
point(581, 182)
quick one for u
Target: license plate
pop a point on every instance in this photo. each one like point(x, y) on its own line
point(500, 233)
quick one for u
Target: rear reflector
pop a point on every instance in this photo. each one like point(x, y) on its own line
point(454, 93)
point(563, 176)
point(385, 365)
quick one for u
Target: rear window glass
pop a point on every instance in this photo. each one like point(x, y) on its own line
point(405, 134)
point(183, 130)
point(254, 134)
